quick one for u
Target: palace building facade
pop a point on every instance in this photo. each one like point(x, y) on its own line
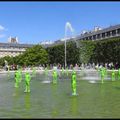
point(96, 34)
point(100, 34)
point(12, 48)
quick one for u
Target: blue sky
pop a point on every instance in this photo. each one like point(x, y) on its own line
point(34, 22)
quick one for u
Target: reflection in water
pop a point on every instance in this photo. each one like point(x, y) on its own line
point(55, 109)
point(27, 101)
point(18, 107)
point(15, 94)
point(102, 91)
point(74, 106)
point(16, 97)
point(54, 88)
point(95, 100)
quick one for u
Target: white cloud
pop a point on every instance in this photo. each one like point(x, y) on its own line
point(2, 28)
point(2, 35)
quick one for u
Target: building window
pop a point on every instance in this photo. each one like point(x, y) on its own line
point(90, 38)
point(98, 36)
point(118, 31)
point(86, 38)
point(103, 35)
point(113, 32)
point(108, 34)
point(94, 37)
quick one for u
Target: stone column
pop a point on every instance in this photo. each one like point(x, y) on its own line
point(110, 33)
point(116, 33)
point(101, 36)
point(105, 35)
point(92, 37)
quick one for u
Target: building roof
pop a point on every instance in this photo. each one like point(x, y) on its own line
point(15, 45)
point(100, 31)
point(78, 37)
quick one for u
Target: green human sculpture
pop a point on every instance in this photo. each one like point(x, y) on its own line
point(119, 74)
point(16, 79)
point(102, 74)
point(73, 82)
point(62, 70)
point(99, 71)
point(54, 77)
point(20, 75)
point(27, 82)
point(113, 74)
point(105, 70)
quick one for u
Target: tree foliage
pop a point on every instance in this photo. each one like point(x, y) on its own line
point(102, 51)
point(57, 53)
point(86, 50)
point(35, 55)
point(107, 51)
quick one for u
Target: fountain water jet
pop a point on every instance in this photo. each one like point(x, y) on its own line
point(67, 26)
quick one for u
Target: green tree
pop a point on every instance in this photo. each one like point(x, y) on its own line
point(34, 56)
point(86, 50)
point(57, 53)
